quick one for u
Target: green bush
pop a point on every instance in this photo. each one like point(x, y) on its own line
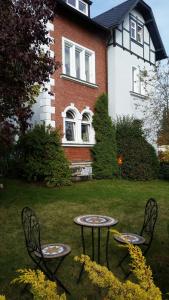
point(41, 157)
point(104, 151)
point(164, 170)
point(140, 161)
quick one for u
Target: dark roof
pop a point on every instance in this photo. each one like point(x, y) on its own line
point(115, 16)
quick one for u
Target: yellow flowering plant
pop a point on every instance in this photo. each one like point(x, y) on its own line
point(41, 288)
point(145, 289)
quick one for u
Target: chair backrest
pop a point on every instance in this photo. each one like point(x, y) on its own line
point(150, 218)
point(31, 231)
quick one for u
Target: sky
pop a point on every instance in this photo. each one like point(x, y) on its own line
point(160, 9)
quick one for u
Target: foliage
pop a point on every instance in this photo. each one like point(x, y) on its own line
point(2, 297)
point(163, 134)
point(164, 170)
point(156, 101)
point(41, 157)
point(104, 151)
point(117, 290)
point(7, 134)
point(140, 161)
point(24, 64)
point(41, 288)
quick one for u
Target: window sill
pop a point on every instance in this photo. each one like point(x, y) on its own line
point(137, 95)
point(77, 145)
point(92, 85)
point(136, 42)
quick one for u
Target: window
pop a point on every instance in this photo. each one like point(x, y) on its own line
point(133, 29)
point(70, 126)
point(85, 128)
point(72, 2)
point(79, 5)
point(137, 81)
point(77, 127)
point(67, 59)
point(137, 31)
point(78, 62)
point(82, 7)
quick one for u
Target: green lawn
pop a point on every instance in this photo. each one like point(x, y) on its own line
point(56, 209)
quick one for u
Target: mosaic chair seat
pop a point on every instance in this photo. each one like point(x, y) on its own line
point(43, 256)
point(145, 238)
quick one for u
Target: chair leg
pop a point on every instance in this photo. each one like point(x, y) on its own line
point(122, 260)
point(61, 284)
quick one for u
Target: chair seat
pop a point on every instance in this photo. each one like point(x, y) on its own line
point(54, 250)
point(131, 238)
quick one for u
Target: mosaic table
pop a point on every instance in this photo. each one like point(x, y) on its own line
point(95, 223)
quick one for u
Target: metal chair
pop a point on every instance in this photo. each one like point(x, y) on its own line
point(146, 234)
point(42, 255)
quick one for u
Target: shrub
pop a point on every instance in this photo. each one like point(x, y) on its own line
point(104, 151)
point(140, 161)
point(41, 288)
point(164, 170)
point(41, 157)
point(7, 135)
point(115, 289)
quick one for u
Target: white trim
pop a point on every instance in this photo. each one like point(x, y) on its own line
point(78, 123)
point(67, 77)
point(73, 46)
point(77, 6)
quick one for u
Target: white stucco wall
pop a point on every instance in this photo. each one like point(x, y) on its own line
point(120, 63)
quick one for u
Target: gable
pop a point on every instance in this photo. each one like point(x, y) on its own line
point(115, 16)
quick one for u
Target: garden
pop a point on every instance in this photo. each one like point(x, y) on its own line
point(56, 209)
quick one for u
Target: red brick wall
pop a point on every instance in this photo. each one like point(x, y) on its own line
point(67, 92)
point(77, 154)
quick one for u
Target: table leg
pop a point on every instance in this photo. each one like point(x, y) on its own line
point(99, 245)
point(84, 252)
point(93, 247)
point(107, 247)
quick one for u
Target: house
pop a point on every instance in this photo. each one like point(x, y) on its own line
point(103, 54)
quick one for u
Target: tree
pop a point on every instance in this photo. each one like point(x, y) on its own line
point(156, 102)
point(23, 63)
point(104, 151)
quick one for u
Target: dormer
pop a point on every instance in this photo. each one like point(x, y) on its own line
point(82, 6)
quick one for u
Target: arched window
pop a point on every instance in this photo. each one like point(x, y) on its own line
point(70, 126)
point(85, 127)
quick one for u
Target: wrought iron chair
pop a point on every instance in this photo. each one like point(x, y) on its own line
point(144, 239)
point(42, 255)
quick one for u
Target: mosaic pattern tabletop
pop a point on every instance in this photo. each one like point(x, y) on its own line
point(54, 250)
point(95, 221)
point(132, 238)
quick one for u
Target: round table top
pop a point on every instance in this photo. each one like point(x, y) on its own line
point(95, 221)
point(54, 250)
point(131, 238)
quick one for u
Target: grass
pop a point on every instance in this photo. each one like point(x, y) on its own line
point(56, 209)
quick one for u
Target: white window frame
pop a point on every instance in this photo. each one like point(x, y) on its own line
point(137, 83)
point(78, 126)
point(77, 6)
point(73, 46)
point(135, 28)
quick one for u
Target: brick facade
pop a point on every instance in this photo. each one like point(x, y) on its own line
point(67, 91)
